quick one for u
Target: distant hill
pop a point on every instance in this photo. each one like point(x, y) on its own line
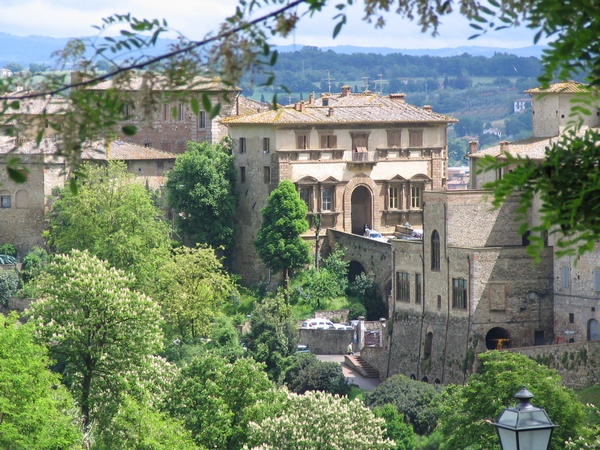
point(38, 49)
point(534, 50)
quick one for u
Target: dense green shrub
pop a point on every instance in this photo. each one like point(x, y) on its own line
point(9, 283)
point(414, 399)
point(8, 249)
point(365, 289)
point(307, 373)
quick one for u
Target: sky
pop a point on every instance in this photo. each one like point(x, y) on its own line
point(195, 18)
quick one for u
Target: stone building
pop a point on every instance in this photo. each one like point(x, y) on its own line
point(466, 287)
point(470, 286)
point(23, 206)
point(356, 159)
point(163, 115)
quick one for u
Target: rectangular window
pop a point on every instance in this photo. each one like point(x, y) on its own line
point(267, 174)
point(459, 293)
point(403, 287)
point(565, 275)
point(242, 174)
point(415, 138)
point(418, 288)
point(415, 197)
point(393, 138)
point(596, 280)
point(360, 142)
point(302, 141)
point(439, 302)
point(571, 318)
point(166, 110)
point(202, 119)
point(242, 145)
point(266, 145)
point(326, 199)
point(4, 201)
point(305, 196)
point(181, 112)
point(328, 141)
point(393, 193)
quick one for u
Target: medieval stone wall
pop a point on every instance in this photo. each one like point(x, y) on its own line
point(374, 256)
point(577, 363)
point(326, 342)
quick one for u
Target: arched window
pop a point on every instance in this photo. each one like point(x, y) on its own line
point(22, 199)
point(593, 330)
point(428, 345)
point(435, 250)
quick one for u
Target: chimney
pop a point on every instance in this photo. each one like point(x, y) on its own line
point(428, 108)
point(311, 98)
point(299, 106)
point(345, 91)
point(330, 112)
point(473, 147)
point(400, 98)
point(504, 146)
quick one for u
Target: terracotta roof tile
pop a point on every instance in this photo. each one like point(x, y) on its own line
point(136, 82)
point(352, 108)
point(566, 87)
point(95, 150)
point(532, 148)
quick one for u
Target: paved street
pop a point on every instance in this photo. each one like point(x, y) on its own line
point(352, 376)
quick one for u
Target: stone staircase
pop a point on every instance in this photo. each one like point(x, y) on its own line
point(358, 364)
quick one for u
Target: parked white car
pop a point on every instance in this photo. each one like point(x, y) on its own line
point(376, 236)
point(324, 324)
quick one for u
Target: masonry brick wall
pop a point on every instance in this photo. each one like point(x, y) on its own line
point(577, 363)
point(326, 342)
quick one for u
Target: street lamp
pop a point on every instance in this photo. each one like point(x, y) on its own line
point(524, 427)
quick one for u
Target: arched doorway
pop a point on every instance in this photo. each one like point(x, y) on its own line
point(354, 269)
point(593, 330)
point(361, 209)
point(497, 338)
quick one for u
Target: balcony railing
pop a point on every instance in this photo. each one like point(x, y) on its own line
point(361, 157)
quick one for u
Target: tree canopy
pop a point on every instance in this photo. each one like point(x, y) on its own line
point(36, 411)
point(317, 420)
point(468, 410)
point(193, 288)
point(201, 192)
point(92, 320)
point(279, 244)
point(216, 400)
point(112, 217)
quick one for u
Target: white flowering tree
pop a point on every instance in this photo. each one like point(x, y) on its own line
point(317, 420)
point(103, 331)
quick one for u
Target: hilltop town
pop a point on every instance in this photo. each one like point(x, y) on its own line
point(192, 257)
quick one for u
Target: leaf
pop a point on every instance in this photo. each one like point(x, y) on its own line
point(195, 105)
point(206, 102)
point(18, 175)
point(129, 130)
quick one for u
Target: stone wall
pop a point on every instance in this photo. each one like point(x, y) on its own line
point(15, 304)
point(577, 362)
point(374, 256)
point(340, 315)
point(326, 342)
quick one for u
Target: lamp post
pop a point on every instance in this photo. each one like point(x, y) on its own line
point(524, 427)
